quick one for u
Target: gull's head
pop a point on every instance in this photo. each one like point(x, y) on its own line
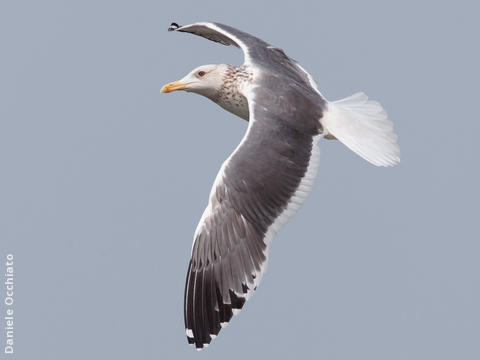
point(205, 80)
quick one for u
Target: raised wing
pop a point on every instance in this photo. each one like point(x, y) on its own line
point(256, 51)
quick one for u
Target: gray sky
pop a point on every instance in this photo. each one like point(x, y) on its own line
point(103, 180)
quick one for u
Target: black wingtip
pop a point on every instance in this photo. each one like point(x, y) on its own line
point(173, 26)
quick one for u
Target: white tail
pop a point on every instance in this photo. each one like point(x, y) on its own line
point(362, 125)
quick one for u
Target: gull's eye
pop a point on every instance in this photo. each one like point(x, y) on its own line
point(201, 73)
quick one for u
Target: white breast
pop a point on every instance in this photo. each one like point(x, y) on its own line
point(236, 104)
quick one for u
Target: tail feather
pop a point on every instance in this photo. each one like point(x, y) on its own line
point(363, 126)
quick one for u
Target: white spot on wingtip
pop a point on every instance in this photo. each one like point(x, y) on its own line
point(189, 333)
point(224, 324)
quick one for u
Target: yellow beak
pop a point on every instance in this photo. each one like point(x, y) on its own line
point(176, 85)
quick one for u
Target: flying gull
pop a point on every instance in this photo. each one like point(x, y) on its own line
point(270, 173)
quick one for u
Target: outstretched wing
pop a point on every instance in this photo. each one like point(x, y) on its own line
point(256, 51)
point(257, 189)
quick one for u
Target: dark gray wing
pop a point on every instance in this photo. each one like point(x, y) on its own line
point(258, 187)
point(256, 51)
